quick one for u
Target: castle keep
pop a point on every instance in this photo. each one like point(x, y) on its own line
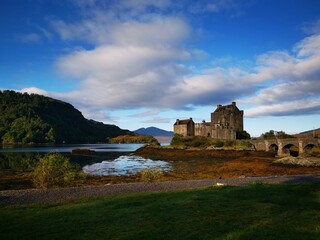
point(226, 121)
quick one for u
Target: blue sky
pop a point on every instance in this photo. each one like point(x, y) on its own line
point(139, 63)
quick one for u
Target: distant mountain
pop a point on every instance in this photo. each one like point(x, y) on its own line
point(153, 131)
point(34, 118)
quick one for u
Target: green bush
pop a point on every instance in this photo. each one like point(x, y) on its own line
point(218, 143)
point(55, 170)
point(151, 174)
point(177, 139)
point(201, 141)
point(229, 143)
point(243, 135)
point(243, 144)
point(197, 144)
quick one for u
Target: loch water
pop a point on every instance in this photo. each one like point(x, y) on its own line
point(107, 159)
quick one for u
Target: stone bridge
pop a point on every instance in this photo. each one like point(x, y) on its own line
point(288, 146)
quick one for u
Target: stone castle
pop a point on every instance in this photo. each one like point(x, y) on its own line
point(226, 121)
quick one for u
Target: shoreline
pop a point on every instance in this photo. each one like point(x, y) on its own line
point(191, 164)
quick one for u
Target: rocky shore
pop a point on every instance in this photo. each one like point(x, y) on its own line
point(176, 154)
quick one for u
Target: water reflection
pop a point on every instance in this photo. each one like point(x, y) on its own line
point(107, 159)
point(124, 165)
point(18, 162)
point(69, 147)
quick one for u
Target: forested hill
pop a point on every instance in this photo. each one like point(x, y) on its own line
point(34, 118)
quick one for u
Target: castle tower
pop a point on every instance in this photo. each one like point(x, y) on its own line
point(226, 121)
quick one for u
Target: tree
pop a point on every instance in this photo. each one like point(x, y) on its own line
point(243, 135)
point(275, 134)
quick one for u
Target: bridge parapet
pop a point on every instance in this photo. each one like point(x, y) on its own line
point(280, 145)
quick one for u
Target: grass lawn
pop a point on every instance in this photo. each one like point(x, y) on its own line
point(256, 211)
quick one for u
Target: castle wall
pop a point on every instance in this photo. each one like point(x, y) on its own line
point(202, 129)
point(184, 129)
point(238, 121)
point(190, 129)
point(224, 134)
point(180, 129)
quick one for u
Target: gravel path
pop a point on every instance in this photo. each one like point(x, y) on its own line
point(20, 197)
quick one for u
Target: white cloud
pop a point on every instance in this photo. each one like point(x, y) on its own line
point(311, 27)
point(294, 81)
point(290, 108)
point(157, 31)
point(132, 66)
point(158, 120)
point(105, 29)
point(34, 90)
point(145, 114)
point(113, 63)
point(309, 46)
point(133, 76)
point(139, 61)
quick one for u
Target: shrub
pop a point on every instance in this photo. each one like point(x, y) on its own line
point(244, 144)
point(243, 135)
point(151, 174)
point(177, 139)
point(229, 143)
point(54, 170)
point(199, 141)
point(135, 139)
point(197, 144)
point(218, 143)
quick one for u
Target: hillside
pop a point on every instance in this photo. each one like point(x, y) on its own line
point(153, 131)
point(34, 118)
point(310, 133)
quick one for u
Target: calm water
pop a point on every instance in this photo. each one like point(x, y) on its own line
point(108, 159)
point(65, 148)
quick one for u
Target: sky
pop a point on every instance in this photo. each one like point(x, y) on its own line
point(140, 63)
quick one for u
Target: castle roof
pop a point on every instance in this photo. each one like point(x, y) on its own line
point(183, 122)
point(232, 106)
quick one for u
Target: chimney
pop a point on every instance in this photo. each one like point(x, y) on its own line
point(234, 103)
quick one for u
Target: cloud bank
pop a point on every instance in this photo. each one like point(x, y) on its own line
point(140, 56)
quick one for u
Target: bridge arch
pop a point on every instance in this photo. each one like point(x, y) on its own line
point(290, 150)
point(273, 148)
point(311, 149)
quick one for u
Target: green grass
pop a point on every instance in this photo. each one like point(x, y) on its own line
point(256, 211)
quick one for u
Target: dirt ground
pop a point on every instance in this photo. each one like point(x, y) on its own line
point(201, 164)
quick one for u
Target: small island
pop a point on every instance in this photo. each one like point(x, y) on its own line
point(137, 138)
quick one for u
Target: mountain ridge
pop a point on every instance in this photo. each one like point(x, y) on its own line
point(154, 131)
